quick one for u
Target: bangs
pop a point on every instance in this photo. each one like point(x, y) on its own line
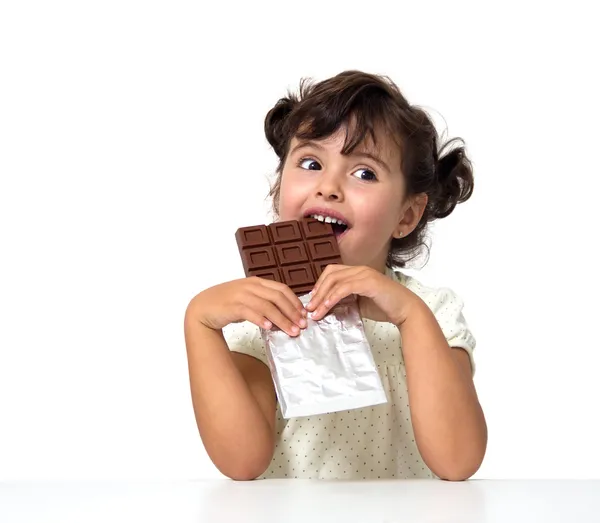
point(366, 113)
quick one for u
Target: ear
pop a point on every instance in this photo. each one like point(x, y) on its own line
point(412, 214)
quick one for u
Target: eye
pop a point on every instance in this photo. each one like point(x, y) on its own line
point(366, 175)
point(311, 165)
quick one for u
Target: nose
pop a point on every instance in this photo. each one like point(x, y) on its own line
point(329, 187)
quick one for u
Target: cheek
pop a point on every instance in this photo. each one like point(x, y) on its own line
point(290, 197)
point(378, 212)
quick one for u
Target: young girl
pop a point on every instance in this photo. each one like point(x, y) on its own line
point(352, 149)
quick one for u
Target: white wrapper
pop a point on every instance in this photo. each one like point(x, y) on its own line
point(329, 367)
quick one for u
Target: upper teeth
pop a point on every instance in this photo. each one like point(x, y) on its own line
point(327, 219)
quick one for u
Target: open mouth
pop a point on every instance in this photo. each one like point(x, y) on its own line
point(340, 228)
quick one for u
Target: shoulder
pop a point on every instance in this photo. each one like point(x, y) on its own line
point(438, 299)
point(414, 284)
point(447, 307)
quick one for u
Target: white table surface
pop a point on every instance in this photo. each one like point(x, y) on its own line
point(291, 500)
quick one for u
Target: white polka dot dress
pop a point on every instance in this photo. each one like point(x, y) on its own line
point(372, 442)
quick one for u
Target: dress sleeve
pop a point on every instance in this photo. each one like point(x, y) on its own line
point(245, 337)
point(447, 307)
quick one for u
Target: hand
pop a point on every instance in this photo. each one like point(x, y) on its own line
point(257, 300)
point(380, 298)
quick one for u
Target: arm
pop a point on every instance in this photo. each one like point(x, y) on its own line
point(450, 428)
point(234, 402)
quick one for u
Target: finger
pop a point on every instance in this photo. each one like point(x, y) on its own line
point(286, 291)
point(255, 305)
point(273, 314)
point(327, 284)
point(340, 291)
point(329, 269)
point(258, 319)
point(325, 281)
point(283, 302)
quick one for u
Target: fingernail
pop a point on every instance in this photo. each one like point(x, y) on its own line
point(309, 304)
point(304, 312)
point(295, 329)
point(303, 323)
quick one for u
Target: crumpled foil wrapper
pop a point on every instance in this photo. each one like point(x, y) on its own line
point(329, 367)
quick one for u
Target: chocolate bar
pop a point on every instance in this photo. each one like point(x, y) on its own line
point(291, 252)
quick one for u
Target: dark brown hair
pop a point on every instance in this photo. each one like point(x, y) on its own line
point(371, 102)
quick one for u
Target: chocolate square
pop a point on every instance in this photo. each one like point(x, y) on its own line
point(292, 252)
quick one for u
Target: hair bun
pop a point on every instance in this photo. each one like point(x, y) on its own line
point(447, 163)
point(454, 173)
point(275, 124)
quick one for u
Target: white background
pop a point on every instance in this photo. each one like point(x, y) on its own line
point(132, 148)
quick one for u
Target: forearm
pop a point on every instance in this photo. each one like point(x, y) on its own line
point(448, 421)
point(236, 433)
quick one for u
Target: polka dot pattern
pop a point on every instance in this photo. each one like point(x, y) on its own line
point(372, 442)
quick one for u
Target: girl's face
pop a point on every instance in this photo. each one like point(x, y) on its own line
point(366, 191)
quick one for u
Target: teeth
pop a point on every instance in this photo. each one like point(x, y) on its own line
point(326, 219)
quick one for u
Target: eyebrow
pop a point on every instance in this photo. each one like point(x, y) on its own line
point(362, 154)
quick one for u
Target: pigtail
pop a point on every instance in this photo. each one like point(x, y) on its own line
point(454, 175)
point(275, 125)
